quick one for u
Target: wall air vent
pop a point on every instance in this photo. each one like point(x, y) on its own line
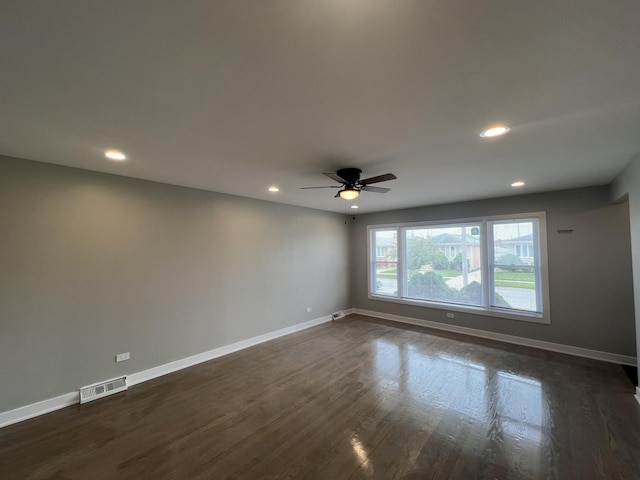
point(102, 389)
point(337, 315)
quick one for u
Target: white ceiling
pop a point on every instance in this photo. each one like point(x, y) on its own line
point(233, 96)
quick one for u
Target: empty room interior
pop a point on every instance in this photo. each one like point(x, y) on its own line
point(319, 239)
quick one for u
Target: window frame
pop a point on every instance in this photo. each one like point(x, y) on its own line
point(486, 260)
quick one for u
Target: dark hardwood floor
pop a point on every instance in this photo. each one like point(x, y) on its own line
point(357, 398)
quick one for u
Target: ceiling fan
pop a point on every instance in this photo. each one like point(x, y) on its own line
point(351, 185)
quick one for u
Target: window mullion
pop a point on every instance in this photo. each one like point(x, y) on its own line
point(486, 263)
point(536, 259)
point(400, 276)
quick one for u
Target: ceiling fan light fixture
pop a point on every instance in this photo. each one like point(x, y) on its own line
point(349, 194)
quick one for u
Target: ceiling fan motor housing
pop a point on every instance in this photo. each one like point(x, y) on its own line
point(350, 175)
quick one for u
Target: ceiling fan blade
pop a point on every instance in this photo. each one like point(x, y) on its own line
point(336, 195)
point(326, 186)
point(376, 189)
point(379, 178)
point(335, 177)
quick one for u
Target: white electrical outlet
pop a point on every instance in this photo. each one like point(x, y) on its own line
point(308, 309)
point(450, 315)
point(121, 357)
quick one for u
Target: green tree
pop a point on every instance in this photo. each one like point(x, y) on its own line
point(420, 252)
point(439, 261)
point(456, 263)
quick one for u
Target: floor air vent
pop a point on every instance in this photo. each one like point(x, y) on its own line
point(337, 315)
point(102, 389)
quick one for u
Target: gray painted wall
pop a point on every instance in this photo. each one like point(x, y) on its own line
point(92, 265)
point(590, 277)
point(626, 186)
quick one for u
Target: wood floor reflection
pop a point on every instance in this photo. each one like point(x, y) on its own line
point(357, 398)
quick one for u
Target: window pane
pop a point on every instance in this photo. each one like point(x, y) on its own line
point(515, 265)
point(386, 279)
point(443, 264)
point(385, 262)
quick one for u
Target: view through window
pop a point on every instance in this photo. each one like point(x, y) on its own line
point(491, 263)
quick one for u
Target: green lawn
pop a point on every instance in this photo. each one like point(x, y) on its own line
point(527, 285)
point(449, 273)
point(518, 276)
point(387, 275)
point(389, 270)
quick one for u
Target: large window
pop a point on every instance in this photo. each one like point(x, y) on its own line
point(496, 265)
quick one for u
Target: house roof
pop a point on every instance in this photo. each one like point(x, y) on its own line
point(522, 239)
point(236, 96)
point(449, 238)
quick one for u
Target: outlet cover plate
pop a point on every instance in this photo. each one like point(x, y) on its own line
point(121, 357)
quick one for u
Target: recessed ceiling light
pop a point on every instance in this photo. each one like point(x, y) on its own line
point(115, 155)
point(273, 188)
point(495, 131)
point(355, 206)
point(517, 184)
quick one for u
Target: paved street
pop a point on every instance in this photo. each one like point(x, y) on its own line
point(521, 298)
point(388, 286)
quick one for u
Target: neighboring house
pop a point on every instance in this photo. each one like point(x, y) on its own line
point(386, 251)
point(521, 247)
point(450, 246)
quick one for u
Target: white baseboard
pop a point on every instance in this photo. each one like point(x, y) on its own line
point(171, 367)
point(553, 347)
point(40, 408)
